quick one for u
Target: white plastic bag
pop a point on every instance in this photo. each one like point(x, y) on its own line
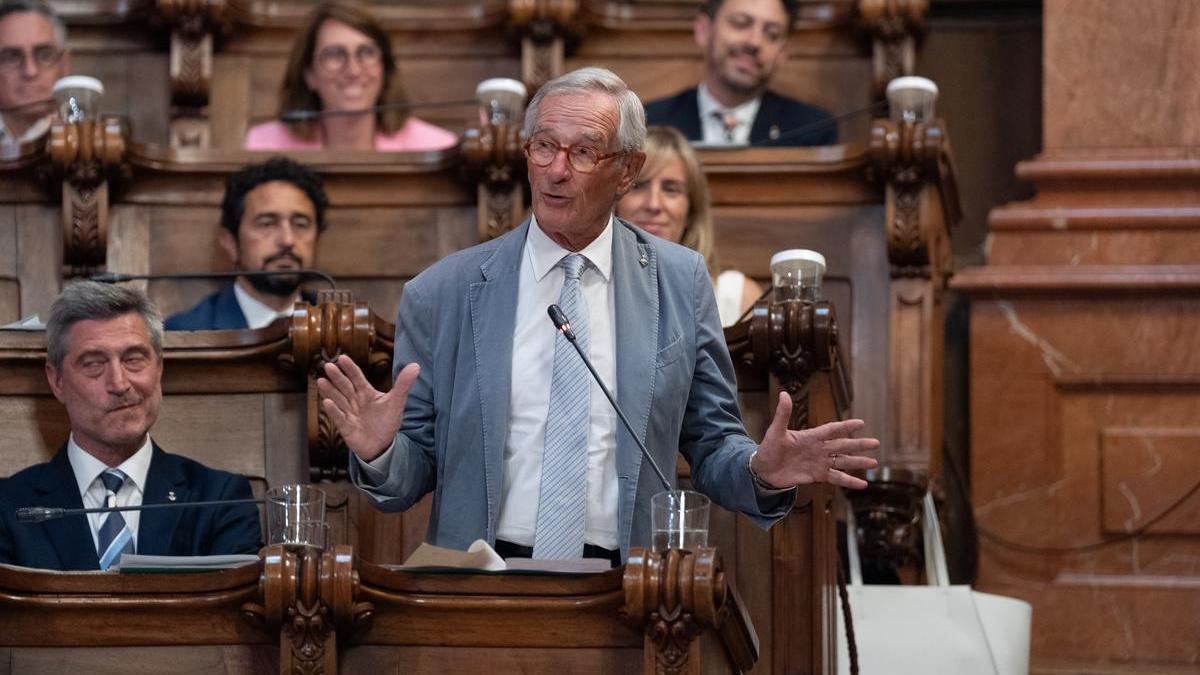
point(936, 628)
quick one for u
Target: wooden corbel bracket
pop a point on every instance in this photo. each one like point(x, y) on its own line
point(895, 27)
point(547, 30)
point(84, 158)
point(495, 160)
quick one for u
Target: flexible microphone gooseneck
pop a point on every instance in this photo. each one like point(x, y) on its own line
point(38, 514)
point(117, 277)
point(292, 116)
point(564, 326)
point(819, 125)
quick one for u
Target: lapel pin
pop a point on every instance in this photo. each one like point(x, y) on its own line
point(171, 496)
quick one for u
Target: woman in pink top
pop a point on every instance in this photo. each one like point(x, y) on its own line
point(342, 61)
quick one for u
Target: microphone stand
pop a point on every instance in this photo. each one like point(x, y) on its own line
point(38, 514)
point(117, 277)
point(564, 326)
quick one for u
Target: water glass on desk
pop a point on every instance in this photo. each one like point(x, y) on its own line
point(679, 519)
point(296, 516)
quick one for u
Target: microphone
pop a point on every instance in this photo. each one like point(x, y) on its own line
point(819, 125)
point(118, 277)
point(564, 326)
point(292, 116)
point(39, 514)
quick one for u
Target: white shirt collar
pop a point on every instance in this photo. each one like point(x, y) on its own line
point(544, 253)
point(258, 315)
point(745, 114)
point(34, 131)
point(87, 468)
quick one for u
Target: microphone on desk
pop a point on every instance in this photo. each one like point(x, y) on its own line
point(39, 514)
point(563, 325)
point(117, 277)
point(292, 116)
point(820, 125)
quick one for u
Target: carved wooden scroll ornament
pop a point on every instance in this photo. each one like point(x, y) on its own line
point(336, 325)
point(675, 595)
point(496, 161)
point(84, 157)
point(193, 25)
point(547, 30)
point(894, 26)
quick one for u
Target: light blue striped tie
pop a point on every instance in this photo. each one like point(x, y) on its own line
point(114, 537)
point(562, 497)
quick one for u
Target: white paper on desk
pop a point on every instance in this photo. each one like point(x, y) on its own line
point(31, 322)
point(478, 556)
point(132, 562)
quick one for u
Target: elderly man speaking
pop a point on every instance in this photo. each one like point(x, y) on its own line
point(493, 411)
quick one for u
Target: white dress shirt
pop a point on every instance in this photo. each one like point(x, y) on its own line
point(258, 315)
point(11, 141)
point(540, 284)
point(87, 471)
point(541, 280)
point(712, 125)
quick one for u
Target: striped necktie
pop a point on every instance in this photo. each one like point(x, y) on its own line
point(114, 537)
point(562, 494)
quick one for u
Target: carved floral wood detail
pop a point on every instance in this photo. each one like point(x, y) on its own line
point(547, 29)
point(84, 157)
point(494, 158)
point(915, 161)
point(301, 593)
point(674, 595)
point(793, 340)
point(193, 25)
point(894, 26)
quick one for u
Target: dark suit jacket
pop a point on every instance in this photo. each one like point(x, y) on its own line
point(777, 116)
point(219, 311)
point(66, 543)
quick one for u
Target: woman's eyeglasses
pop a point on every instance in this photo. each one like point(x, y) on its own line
point(335, 58)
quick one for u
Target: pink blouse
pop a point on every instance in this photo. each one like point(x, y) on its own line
point(415, 136)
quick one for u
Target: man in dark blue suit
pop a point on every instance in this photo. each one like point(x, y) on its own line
point(104, 363)
point(743, 42)
point(271, 217)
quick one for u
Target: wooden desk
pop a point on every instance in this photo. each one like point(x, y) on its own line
point(329, 612)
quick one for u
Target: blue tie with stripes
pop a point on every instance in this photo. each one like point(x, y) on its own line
point(562, 495)
point(114, 537)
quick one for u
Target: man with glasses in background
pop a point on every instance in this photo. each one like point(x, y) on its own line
point(33, 55)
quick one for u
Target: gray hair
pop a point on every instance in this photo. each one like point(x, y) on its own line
point(60, 29)
point(631, 127)
point(91, 300)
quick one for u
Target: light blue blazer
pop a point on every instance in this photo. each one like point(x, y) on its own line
point(675, 382)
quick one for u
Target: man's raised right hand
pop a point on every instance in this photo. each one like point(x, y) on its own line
point(367, 418)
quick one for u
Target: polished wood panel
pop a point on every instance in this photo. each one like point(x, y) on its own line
point(1084, 379)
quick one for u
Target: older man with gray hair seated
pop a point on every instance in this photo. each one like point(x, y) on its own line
point(33, 55)
point(104, 363)
point(494, 412)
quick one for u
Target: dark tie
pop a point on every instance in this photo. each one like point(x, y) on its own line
point(728, 121)
point(114, 537)
point(562, 495)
